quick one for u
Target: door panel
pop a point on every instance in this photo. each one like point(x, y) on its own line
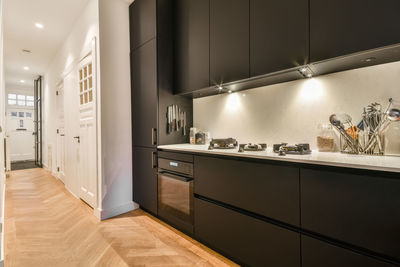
point(229, 40)
point(278, 35)
point(144, 95)
point(87, 131)
point(71, 94)
point(145, 178)
point(21, 135)
point(60, 145)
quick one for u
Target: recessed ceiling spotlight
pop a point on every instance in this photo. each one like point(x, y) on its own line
point(21, 81)
point(26, 68)
point(26, 51)
point(39, 25)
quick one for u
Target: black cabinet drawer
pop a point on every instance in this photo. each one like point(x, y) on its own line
point(145, 178)
point(248, 241)
point(316, 253)
point(268, 190)
point(358, 209)
point(175, 156)
point(342, 27)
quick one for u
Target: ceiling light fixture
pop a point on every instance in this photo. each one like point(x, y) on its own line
point(22, 81)
point(39, 25)
point(26, 68)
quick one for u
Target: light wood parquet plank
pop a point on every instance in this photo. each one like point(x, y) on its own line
point(46, 226)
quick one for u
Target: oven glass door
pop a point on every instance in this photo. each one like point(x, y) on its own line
point(175, 195)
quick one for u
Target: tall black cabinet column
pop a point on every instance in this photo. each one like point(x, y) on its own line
point(152, 83)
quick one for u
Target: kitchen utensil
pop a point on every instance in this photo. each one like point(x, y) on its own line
point(339, 126)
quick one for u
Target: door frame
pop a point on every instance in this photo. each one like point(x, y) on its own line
point(38, 121)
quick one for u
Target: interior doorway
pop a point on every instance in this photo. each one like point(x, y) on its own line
point(20, 128)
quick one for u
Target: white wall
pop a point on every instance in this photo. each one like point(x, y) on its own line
point(2, 124)
point(82, 33)
point(116, 146)
point(290, 112)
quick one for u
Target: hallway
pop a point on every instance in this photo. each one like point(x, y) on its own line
point(46, 226)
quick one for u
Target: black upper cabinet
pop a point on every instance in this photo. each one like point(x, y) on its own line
point(342, 27)
point(192, 51)
point(357, 209)
point(142, 22)
point(144, 95)
point(278, 35)
point(229, 40)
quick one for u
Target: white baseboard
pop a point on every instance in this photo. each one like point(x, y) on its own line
point(109, 213)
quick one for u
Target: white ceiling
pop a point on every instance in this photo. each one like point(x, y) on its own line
point(20, 16)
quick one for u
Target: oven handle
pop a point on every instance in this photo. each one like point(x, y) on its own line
point(176, 177)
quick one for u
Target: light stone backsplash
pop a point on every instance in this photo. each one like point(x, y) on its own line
point(290, 112)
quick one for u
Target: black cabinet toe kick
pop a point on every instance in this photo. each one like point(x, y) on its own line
point(305, 232)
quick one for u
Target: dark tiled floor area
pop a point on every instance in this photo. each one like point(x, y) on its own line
point(22, 165)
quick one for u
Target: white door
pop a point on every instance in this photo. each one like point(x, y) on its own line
point(60, 134)
point(71, 130)
point(20, 131)
point(87, 131)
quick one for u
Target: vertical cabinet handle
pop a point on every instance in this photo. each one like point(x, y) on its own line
point(153, 160)
point(153, 136)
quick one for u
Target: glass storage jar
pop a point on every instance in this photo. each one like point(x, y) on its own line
point(325, 138)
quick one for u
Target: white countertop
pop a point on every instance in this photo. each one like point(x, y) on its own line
point(379, 163)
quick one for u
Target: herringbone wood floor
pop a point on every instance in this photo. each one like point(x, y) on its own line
point(46, 226)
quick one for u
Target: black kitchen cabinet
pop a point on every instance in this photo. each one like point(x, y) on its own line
point(316, 253)
point(343, 27)
point(142, 22)
point(358, 209)
point(192, 45)
point(144, 95)
point(229, 40)
point(268, 190)
point(145, 178)
point(278, 35)
point(247, 240)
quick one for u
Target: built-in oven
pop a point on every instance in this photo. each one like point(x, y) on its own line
point(175, 193)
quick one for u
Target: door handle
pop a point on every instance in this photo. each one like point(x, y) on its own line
point(153, 136)
point(153, 160)
point(78, 138)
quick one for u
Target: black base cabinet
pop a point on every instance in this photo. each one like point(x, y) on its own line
point(362, 210)
point(145, 178)
point(265, 189)
point(248, 241)
point(316, 253)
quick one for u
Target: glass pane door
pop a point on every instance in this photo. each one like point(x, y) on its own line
point(38, 121)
